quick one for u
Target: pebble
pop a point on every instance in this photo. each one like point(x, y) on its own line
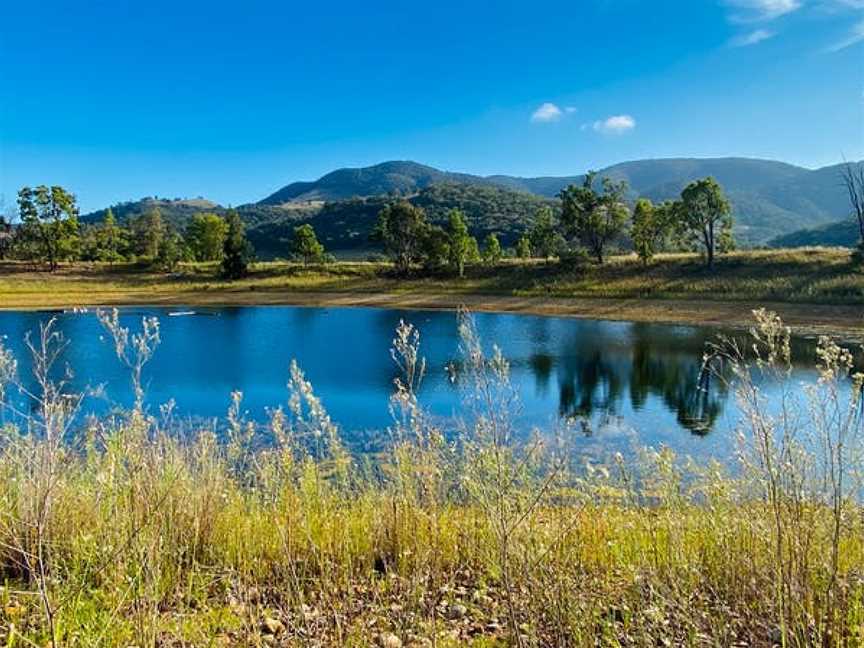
point(389, 640)
point(272, 626)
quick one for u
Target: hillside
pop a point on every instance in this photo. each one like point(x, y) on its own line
point(387, 178)
point(345, 224)
point(840, 234)
point(177, 211)
point(769, 198)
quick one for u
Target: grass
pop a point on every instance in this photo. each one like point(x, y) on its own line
point(818, 276)
point(133, 531)
point(808, 286)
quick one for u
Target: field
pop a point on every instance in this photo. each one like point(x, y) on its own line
point(814, 289)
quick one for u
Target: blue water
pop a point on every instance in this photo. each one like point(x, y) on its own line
point(606, 384)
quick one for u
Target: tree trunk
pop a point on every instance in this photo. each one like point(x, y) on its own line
point(709, 244)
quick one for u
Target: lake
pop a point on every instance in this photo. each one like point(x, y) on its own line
point(611, 385)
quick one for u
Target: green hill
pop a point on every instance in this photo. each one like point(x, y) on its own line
point(770, 200)
point(842, 234)
point(344, 225)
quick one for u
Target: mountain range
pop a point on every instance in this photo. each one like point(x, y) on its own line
point(770, 199)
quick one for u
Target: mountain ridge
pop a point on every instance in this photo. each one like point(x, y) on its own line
point(770, 199)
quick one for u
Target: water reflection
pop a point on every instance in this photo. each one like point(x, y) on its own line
point(646, 378)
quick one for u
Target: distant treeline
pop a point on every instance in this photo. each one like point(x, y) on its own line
point(443, 227)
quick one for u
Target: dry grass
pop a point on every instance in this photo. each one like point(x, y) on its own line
point(127, 535)
point(814, 289)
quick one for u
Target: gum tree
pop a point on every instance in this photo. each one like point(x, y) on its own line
point(591, 217)
point(305, 244)
point(49, 223)
point(401, 228)
point(706, 217)
point(237, 250)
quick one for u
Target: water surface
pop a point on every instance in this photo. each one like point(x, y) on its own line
point(611, 384)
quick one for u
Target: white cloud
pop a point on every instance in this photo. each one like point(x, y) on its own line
point(570, 110)
point(745, 11)
point(752, 38)
point(615, 125)
point(546, 112)
point(856, 36)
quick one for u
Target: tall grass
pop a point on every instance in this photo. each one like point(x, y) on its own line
point(124, 531)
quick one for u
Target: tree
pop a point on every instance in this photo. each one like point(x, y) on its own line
point(237, 252)
point(149, 231)
point(305, 244)
point(49, 224)
point(594, 218)
point(459, 240)
point(6, 237)
point(642, 230)
point(171, 251)
point(110, 239)
point(436, 248)
point(853, 179)
point(491, 250)
point(401, 228)
point(523, 247)
point(705, 217)
point(652, 227)
point(205, 236)
point(542, 235)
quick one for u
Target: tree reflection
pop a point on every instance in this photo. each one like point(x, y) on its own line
point(663, 363)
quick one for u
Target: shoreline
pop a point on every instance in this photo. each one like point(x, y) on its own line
point(846, 322)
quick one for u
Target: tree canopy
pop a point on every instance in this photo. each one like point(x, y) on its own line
point(237, 252)
point(305, 244)
point(205, 236)
point(401, 228)
point(49, 224)
point(706, 217)
point(591, 217)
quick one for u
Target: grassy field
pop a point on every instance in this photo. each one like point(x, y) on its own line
point(811, 288)
point(136, 532)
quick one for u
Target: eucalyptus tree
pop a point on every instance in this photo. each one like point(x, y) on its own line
point(49, 224)
point(492, 252)
point(591, 217)
point(305, 244)
point(459, 240)
point(237, 251)
point(705, 217)
point(401, 228)
point(542, 236)
point(852, 174)
point(205, 236)
point(652, 227)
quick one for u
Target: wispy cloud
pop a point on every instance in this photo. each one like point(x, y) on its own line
point(546, 112)
point(852, 4)
point(854, 37)
point(615, 125)
point(746, 11)
point(752, 38)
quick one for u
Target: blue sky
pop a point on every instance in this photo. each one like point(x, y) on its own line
point(119, 100)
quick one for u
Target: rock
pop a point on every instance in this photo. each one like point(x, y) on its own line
point(456, 611)
point(272, 626)
point(776, 636)
point(389, 640)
